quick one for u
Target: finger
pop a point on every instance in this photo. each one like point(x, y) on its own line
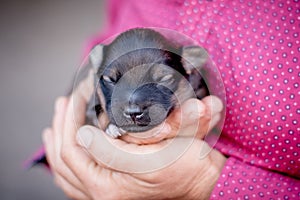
point(127, 157)
point(214, 104)
point(75, 113)
point(59, 113)
point(185, 120)
point(188, 113)
point(193, 109)
point(86, 87)
point(47, 136)
point(60, 181)
point(214, 107)
point(214, 121)
point(58, 168)
point(58, 165)
point(69, 189)
point(58, 122)
point(75, 158)
point(195, 117)
point(76, 110)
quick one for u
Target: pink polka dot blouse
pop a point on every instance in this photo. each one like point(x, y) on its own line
point(256, 47)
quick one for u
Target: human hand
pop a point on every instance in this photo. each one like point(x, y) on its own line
point(172, 174)
point(63, 122)
point(86, 176)
point(101, 170)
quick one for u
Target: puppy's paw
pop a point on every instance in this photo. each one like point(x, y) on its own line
point(113, 131)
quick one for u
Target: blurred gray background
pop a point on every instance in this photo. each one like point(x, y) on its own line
point(41, 46)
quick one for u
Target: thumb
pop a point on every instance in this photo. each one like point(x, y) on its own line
point(130, 158)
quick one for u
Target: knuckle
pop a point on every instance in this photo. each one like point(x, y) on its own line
point(98, 189)
point(65, 160)
point(58, 180)
point(200, 110)
point(71, 194)
point(64, 154)
point(155, 177)
point(60, 169)
point(68, 189)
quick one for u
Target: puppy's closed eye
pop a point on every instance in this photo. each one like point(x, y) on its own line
point(111, 76)
point(162, 74)
point(109, 79)
point(168, 78)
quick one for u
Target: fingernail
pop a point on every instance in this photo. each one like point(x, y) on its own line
point(59, 104)
point(85, 137)
point(166, 128)
point(45, 135)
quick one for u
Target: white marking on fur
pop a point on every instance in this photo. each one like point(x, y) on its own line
point(113, 131)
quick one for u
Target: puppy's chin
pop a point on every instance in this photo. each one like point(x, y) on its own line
point(155, 135)
point(137, 128)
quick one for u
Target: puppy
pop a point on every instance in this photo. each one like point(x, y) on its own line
point(140, 78)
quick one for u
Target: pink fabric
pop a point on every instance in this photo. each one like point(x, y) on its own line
point(37, 158)
point(256, 46)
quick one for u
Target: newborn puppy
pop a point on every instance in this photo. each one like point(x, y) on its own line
point(140, 77)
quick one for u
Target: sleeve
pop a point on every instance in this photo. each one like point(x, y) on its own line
point(240, 180)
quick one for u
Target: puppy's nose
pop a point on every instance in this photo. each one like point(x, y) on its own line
point(133, 112)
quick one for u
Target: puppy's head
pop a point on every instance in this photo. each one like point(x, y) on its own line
point(142, 77)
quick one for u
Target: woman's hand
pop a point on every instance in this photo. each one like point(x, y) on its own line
point(87, 164)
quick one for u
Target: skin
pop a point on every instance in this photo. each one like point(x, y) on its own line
point(75, 153)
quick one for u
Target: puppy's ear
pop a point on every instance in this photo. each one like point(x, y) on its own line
point(96, 56)
point(194, 59)
point(94, 107)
